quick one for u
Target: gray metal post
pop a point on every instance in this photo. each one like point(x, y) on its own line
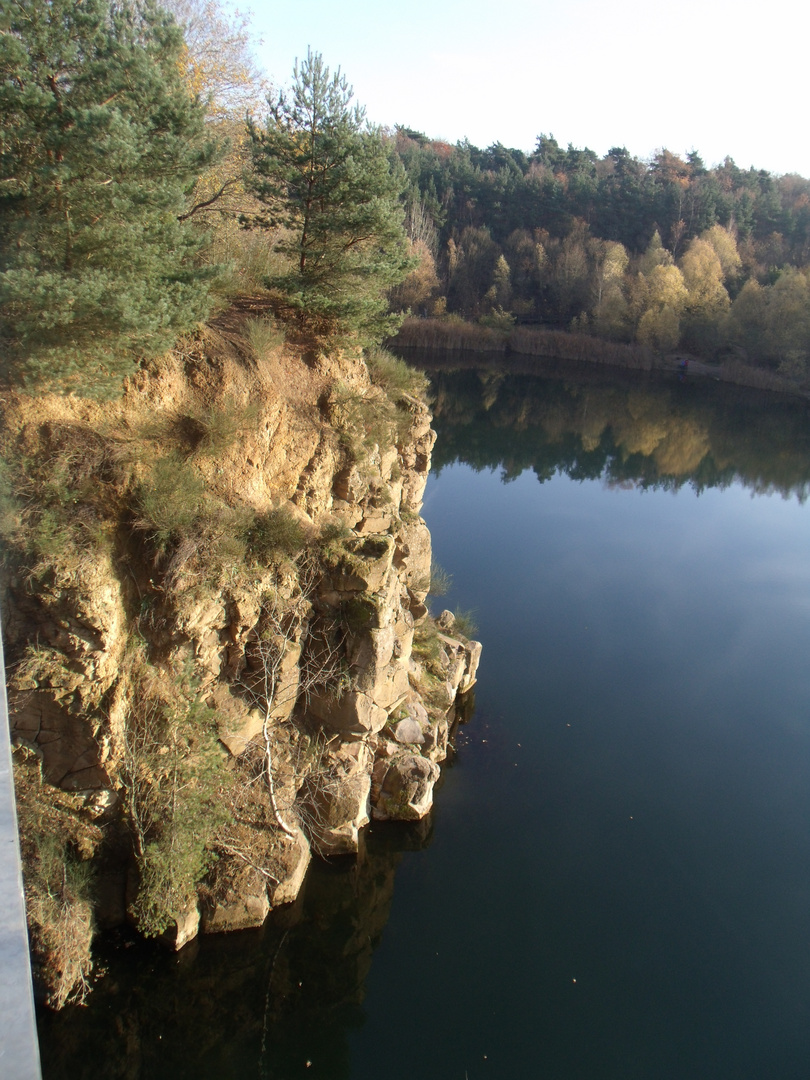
point(19, 1048)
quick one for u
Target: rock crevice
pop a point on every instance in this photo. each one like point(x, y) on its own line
point(287, 609)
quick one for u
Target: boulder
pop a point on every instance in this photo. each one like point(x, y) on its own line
point(454, 660)
point(437, 736)
point(461, 666)
point(469, 678)
point(375, 521)
point(352, 714)
point(406, 789)
point(183, 928)
point(413, 558)
point(408, 731)
point(290, 864)
point(236, 897)
point(64, 742)
point(366, 566)
point(237, 724)
point(334, 800)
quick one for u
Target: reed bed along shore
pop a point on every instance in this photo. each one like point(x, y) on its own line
point(450, 332)
point(453, 335)
point(563, 345)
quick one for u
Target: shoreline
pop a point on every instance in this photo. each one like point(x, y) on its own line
point(456, 337)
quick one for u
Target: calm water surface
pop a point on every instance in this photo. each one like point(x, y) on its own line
point(616, 879)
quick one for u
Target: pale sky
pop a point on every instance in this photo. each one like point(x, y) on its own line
point(716, 76)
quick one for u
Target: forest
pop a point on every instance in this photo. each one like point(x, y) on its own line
point(135, 199)
point(668, 252)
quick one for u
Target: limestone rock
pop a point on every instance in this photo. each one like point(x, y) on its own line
point(290, 863)
point(367, 564)
point(209, 618)
point(413, 558)
point(236, 897)
point(454, 660)
point(334, 800)
point(408, 731)
point(437, 737)
point(375, 521)
point(236, 723)
point(406, 789)
point(64, 741)
point(462, 660)
point(352, 714)
point(183, 928)
point(469, 678)
point(417, 710)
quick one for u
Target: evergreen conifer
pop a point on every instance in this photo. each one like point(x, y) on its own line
point(327, 179)
point(100, 139)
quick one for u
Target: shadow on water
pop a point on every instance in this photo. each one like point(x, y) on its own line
point(272, 1003)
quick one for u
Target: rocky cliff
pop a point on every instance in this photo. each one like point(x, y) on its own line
point(221, 659)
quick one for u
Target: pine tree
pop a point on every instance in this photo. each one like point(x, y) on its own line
point(99, 141)
point(327, 179)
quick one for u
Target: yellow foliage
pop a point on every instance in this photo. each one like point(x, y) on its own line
point(703, 275)
point(220, 70)
point(658, 298)
point(725, 247)
point(421, 284)
point(217, 61)
point(660, 329)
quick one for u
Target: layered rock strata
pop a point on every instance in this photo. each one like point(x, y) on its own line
point(331, 693)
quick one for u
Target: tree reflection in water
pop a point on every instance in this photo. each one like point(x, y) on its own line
point(628, 428)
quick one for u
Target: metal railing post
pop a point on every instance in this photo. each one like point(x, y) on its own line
point(19, 1047)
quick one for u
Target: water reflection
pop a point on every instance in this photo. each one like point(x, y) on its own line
point(619, 880)
point(274, 1003)
point(624, 427)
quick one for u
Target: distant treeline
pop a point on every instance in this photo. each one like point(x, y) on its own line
point(667, 252)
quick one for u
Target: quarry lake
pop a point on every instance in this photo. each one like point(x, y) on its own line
point(615, 880)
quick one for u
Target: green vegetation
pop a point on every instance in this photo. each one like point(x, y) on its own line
point(264, 335)
point(274, 534)
point(366, 421)
point(393, 375)
point(426, 645)
point(173, 782)
point(664, 253)
point(440, 580)
point(219, 427)
point(100, 138)
point(327, 180)
point(464, 624)
point(57, 839)
point(170, 500)
point(120, 140)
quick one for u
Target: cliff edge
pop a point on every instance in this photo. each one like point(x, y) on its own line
point(219, 652)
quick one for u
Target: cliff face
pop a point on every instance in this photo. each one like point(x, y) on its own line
point(216, 628)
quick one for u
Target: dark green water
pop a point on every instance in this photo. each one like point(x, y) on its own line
point(615, 882)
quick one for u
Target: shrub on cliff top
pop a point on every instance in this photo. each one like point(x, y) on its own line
point(170, 499)
point(394, 376)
